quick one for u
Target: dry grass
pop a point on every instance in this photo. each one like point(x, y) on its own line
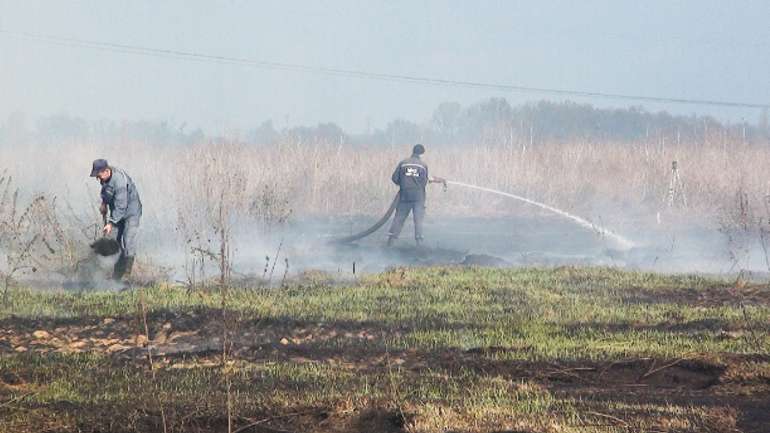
point(32, 239)
point(196, 196)
point(337, 180)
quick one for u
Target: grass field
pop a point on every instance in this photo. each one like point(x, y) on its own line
point(578, 175)
point(415, 350)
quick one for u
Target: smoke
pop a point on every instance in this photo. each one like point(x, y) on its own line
point(300, 196)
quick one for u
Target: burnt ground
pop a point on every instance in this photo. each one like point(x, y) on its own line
point(732, 389)
point(741, 291)
point(722, 382)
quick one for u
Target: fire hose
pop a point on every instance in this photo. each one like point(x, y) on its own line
point(622, 242)
point(381, 221)
point(374, 228)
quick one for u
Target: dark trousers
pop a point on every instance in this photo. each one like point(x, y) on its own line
point(417, 208)
point(127, 231)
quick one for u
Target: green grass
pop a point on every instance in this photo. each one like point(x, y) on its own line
point(425, 319)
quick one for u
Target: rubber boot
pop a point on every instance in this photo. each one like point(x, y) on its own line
point(120, 268)
point(122, 272)
point(123, 268)
point(129, 267)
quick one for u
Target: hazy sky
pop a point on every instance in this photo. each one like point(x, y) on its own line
point(682, 49)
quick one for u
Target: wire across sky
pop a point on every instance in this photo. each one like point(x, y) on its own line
point(262, 64)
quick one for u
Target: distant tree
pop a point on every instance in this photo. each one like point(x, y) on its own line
point(15, 131)
point(401, 131)
point(446, 120)
point(488, 112)
point(323, 132)
point(330, 133)
point(156, 132)
point(197, 136)
point(63, 126)
point(265, 133)
point(486, 119)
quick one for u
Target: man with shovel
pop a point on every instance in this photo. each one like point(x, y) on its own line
point(120, 196)
point(411, 175)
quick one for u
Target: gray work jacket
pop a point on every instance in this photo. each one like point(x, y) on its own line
point(411, 175)
point(119, 193)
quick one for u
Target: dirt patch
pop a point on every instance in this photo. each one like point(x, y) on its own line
point(356, 346)
point(193, 340)
point(379, 421)
point(677, 373)
point(484, 260)
point(298, 420)
point(713, 296)
point(191, 333)
point(72, 419)
point(11, 379)
point(640, 372)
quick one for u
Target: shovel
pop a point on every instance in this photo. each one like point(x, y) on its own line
point(106, 245)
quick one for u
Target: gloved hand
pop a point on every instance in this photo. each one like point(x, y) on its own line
point(440, 180)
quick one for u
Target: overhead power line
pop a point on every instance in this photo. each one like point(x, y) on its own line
point(262, 64)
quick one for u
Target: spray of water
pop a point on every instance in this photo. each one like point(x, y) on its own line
point(621, 242)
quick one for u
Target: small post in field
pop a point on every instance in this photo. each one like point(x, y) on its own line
point(675, 188)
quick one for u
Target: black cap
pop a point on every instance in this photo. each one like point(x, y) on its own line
point(99, 165)
point(418, 149)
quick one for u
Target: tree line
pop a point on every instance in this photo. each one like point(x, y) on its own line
point(492, 120)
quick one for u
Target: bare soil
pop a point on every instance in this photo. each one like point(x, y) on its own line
point(718, 381)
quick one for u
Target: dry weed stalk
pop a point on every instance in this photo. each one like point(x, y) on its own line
point(740, 226)
point(275, 261)
point(270, 206)
point(285, 271)
point(208, 210)
point(230, 326)
point(31, 237)
point(764, 232)
point(226, 347)
point(267, 267)
point(159, 391)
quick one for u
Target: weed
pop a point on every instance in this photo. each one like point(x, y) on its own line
point(31, 237)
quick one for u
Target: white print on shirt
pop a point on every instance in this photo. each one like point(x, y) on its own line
point(412, 170)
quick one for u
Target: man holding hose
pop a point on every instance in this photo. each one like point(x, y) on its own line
point(411, 175)
point(121, 198)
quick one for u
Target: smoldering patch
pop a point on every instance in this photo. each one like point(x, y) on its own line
point(105, 247)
